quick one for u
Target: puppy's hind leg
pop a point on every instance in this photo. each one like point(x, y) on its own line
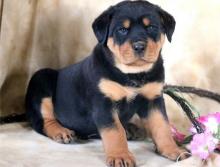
point(51, 127)
point(39, 106)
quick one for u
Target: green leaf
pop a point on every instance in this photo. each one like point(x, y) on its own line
point(177, 93)
point(188, 139)
point(218, 133)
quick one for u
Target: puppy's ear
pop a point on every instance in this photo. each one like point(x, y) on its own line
point(101, 25)
point(168, 23)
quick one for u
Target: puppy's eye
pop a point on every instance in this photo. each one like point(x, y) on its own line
point(123, 31)
point(151, 28)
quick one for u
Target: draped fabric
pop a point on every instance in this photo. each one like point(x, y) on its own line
point(38, 34)
point(55, 33)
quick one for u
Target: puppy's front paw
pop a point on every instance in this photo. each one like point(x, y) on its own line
point(125, 159)
point(174, 153)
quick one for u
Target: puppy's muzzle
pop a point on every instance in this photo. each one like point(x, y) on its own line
point(139, 47)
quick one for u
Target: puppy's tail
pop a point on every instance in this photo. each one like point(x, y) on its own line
point(13, 118)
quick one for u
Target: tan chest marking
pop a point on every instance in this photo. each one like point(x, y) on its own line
point(151, 90)
point(116, 91)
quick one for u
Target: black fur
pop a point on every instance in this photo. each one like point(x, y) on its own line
point(78, 103)
point(42, 84)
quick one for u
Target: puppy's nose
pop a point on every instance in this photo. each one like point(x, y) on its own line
point(139, 46)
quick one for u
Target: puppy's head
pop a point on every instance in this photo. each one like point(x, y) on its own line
point(134, 31)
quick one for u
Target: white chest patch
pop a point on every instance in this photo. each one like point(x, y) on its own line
point(116, 91)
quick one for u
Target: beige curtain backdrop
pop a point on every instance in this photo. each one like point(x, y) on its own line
point(55, 33)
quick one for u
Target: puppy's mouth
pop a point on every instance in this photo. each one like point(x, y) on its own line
point(140, 62)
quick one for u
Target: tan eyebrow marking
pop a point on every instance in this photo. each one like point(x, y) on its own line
point(126, 23)
point(146, 21)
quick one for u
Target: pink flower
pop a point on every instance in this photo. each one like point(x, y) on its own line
point(205, 118)
point(203, 144)
point(210, 122)
point(179, 137)
point(217, 115)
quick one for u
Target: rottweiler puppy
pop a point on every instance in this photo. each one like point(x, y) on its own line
point(123, 76)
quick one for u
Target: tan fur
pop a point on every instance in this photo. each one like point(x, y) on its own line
point(116, 91)
point(115, 143)
point(128, 62)
point(51, 126)
point(125, 59)
point(134, 69)
point(153, 49)
point(152, 90)
point(126, 23)
point(47, 108)
point(123, 54)
point(159, 129)
point(146, 21)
